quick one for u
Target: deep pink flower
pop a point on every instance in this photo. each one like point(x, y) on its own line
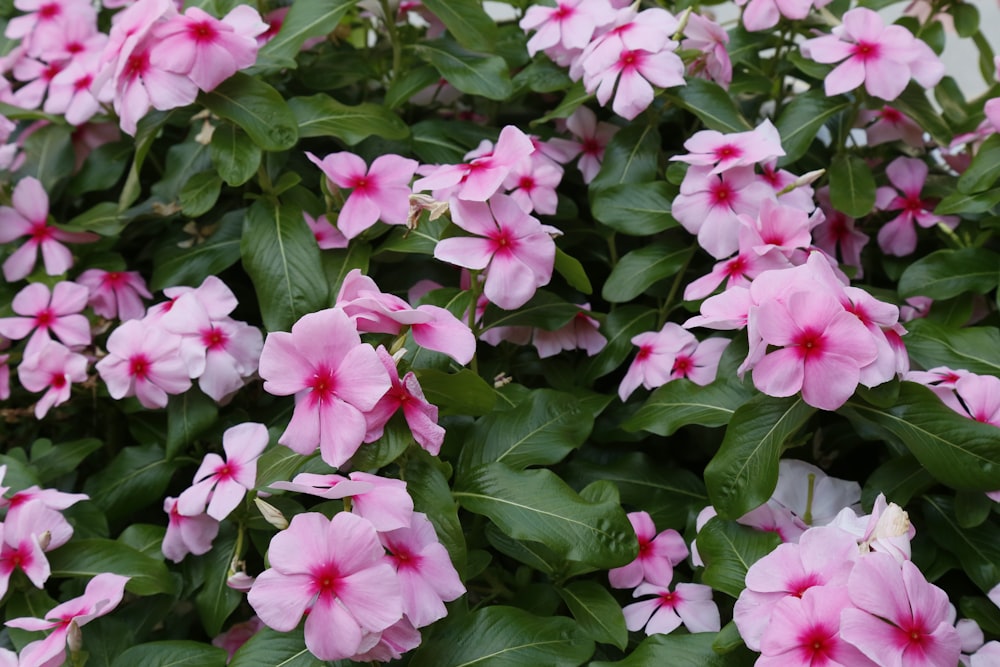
point(45, 21)
point(688, 604)
point(52, 370)
point(327, 236)
point(29, 217)
point(116, 294)
point(381, 192)
point(980, 394)
point(24, 539)
point(570, 24)
point(699, 361)
point(764, 14)
point(103, 593)
point(219, 485)
point(900, 618)
point(593, 137)
point(186, 534)
point(143, 361)
point(335, 571)
point(654, 363)
point(532, 183)
point(837, 235)
point(44, 312)
point(406, 395)
point(899, 236)
point(735, 149)
point(658, 554)
point(335, 378)
point(515, 250)
point(890, 124)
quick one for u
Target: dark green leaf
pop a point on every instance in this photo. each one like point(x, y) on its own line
point(545, 311)
point(136, 478)
point(621, 325)
point(409, 83)
point(630, 157)
point(574, 99)
point(144, 538)
point(323, 116)
point(461, 393)
point(427, 483)
point(278, 463)
point(802, 119)
point(183, 159)
point(852, 186)
point(982, 172)
point(681, 402)
point(257, 108)
point(175, 653)
point(466, 21)
point(55, 461)
point(337, 263)
point(976, 349)
point(972, 508)
point(537, 505)
point(305, 19)
point(235, 156)
point(102, 169)
point(598, 613)
point(729, 550)
point(147, 129)
point(743, 473)
point(572, 272)
point(534, 554)
point(949, 272)
point(216, 601)
point(639, 209)
point(275, 649)
point(913, 102)
point(421, 240)
point(90, 557)
point(281, 256)
point(677, 651)
point(471, 72)
point(446, 142)
point(104, 219)
point(207, 255)
point(900, 479)
point(711, 104)
point(48, 155)
point(959, 202)
point(200, 193)
point(504, 637)
point(642, 268)
point(978, 549)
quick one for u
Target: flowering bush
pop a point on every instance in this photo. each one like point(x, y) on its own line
point(584, 332)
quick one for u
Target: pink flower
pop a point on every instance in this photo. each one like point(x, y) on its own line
point(811, 494)
point(594, 138)
point(327, 236)
point(335, 378)
point(29, 217)
point(654, 362)
point(570, 24)
point(838, 232)
point(143, 361)
point(45, 21)
point(690, 604)
point(980, 394)
point(219, 485)
point(116, 294)
point(883, 58)
point(44, 312)
point(899, 236)
point(103, 593)
point(532, 183)
point(699, 362)
point(515, 250)
point(238, 634)
point(407, 395)
point(335, 571)
point(186, 534)
point(889, 124)
point(427, 579)
point(383, 501)
point(899, 619)
point(736, 149)
point(658, 554)
point(764, 14)
point(24, 539)
point(380, 192)
point(705, 35)
point(53, 369)
point(582, 332)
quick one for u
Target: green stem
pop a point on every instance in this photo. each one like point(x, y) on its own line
point(808, 516)
point(397, 49)
point(474, 288)
point(678, 281)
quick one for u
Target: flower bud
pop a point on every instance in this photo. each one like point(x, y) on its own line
point(271, 514)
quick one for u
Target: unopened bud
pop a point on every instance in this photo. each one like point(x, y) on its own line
point(74, 638)
point(802, 181)
point(240, 581)
point(44, 540)
point(893, 522)
point(271, 514)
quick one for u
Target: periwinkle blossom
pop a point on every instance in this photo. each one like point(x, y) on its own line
point(186, 534)
point(115, 294)
point(220, 484)
point(532, 184)
point(143, 361)
point(380, 192)
point(45, 21)
point(407, 396)
point(582, 332)
point(569, 25)
point(326, 234)
point(765, 14)
point(890, 124)
point(658, 554)
point(24, 539)
point(735, 149)
point(671, 354)
point(44, 312)
point(980, 397)
point(382, 501)
point(688, 604)
point(899, 235)
point(705, 35)
point(335, 379)
point(53, 369)
point(334, 572)
point(837, 235)
point(593, 137)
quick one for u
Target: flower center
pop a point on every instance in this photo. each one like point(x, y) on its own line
point(214, 339)
point(728, 152)
point(810, 343)
point(138, 366)
point(40, 232)
point(203, 31)
point(44, 318)
point(323, 384)
point(58, 381)
point(866, 51)
point(48, 11)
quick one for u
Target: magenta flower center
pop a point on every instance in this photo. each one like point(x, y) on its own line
point(74, 47)
point(629, 60)
point(815, 641)
point(722, 194)
point(214, 339)
point(682, 366)
point(136, 66)
point(138, 366)
point(669, 600)
point(363, 183)
point(48, 11)
point(866, 51)
point(203, 31)
point(798, 587)
point(226, 471)
point(44, 318)
point(810, 343)
point(526, 183)
point(562, 13)
point(40, 232)
point(736, 268)
point(890, 115)
point(644, 353)
point(58, 381)
point(323, 385)
point(591, 147)
point(913, 205)
point(83, 83)
point(728, 152)
point(325, 579)
point(503, 242)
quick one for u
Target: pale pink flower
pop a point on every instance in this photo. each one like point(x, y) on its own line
point(594, 138)
point(427, 578)
point(186, 534)
point(219, 485)
point(103, 593)
point(658, 554)
point(381, 192)
point(143, 361)
point(399, 638)
point(654, 363)
point(570, 24)
point(24, 539)
point(837, 234)
point(688, 604)
point(898, 617)
point(29, 217)
point(810, 494)
point(52, 369)
point(737, 271)
point(789, 188)
point(37, 76)
point(778, 229)
point(736, 149)
point(381, 500)
point(582, 332)
point(705, 35)
point(238, 634)
point(764, 14)
point(45, 21)
point(407, 395)
point(899, 236)
point(327, 236)
point(336, 571)
point(141, 85)
point(515, 250)
point(883, 58)
point(69, 90)
point(44, 312)
point(115, 294)
point(532, 183)
point(980, 395)
point(699, 362)
point(335, 378)
point(890, 124)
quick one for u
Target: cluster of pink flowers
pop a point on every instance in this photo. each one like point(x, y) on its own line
point(670, 354)
point(652, 573)
point(366, 580)
point(189, 337)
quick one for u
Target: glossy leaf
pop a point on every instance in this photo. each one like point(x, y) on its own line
point(259, 109)
point(323, 116)
point(960, 202)
point(743, 473)
point(949, 272)
point(630, 157)
point(461, 393)
point(188, 415)
point(598, 613)
point(572, 272)
point(54, 461)
point(470, 72)
point(852, 186)
point(466, 21)
point(90, 557)
point(976, 349)
point(900, 479)
point(235, 156)
point(802, 119)
point(681, 403)
point(216, 601)
point(48, 155)
point(639, 209)
point(978, 549)
point(427, 483)
point(200, 193)
point(136, 478)
point(545, 310)
point(176, 653)
point(729, 550)
point(305, 19)
point(711, 104)
point(281, 649)
point(982, 171)
point(201, 256)
point(678, 650)
point(104, 219)
point(640, 269)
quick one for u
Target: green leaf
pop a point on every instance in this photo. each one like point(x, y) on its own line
point(537, 505)
point(677, 651)
point(743, 473)
point(913, 102)
point(200, 193)
point(466, 21)
point(958, 202)
point(446, 142)
point(278, 463)
point(545, 310)
point(630, 157)
point(275, 649)
point(597, 612)
point(281, 256)
point(427, 482)
point(535, 555)
point(104, 219)
point(976, 349)
point(323, 116)
point(541, 430)
point(572, 272)
point(640, 269)
point(144, 538)
point(681, 403)
point(409, 83)
point(949, 272)
point(802, 119)
point(257, 108)
point(461, 393)
point(176, 653)
point(48, 155)
point(216, 601)
point(972, 508)
point(419, 241)
point(729, 550)
point(338, 262)
point(639, 209)
point(54, 461)
point(711, 104)
point(183, 159)
point(305, 19)
point(982, 172)
point(852, 186)
point(621, 325)
point(900, 479)
point(188, 415)
point(574, 99)
point(470, 72)
point(147, 129)
point(235, 156)
point(960, 452)
point(211, 255)
point(90, 557)
point(978, 549)
point(503, 637)
point(136, 478)
point(102, 169)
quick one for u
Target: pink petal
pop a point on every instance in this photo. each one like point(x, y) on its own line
point(31, 200)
